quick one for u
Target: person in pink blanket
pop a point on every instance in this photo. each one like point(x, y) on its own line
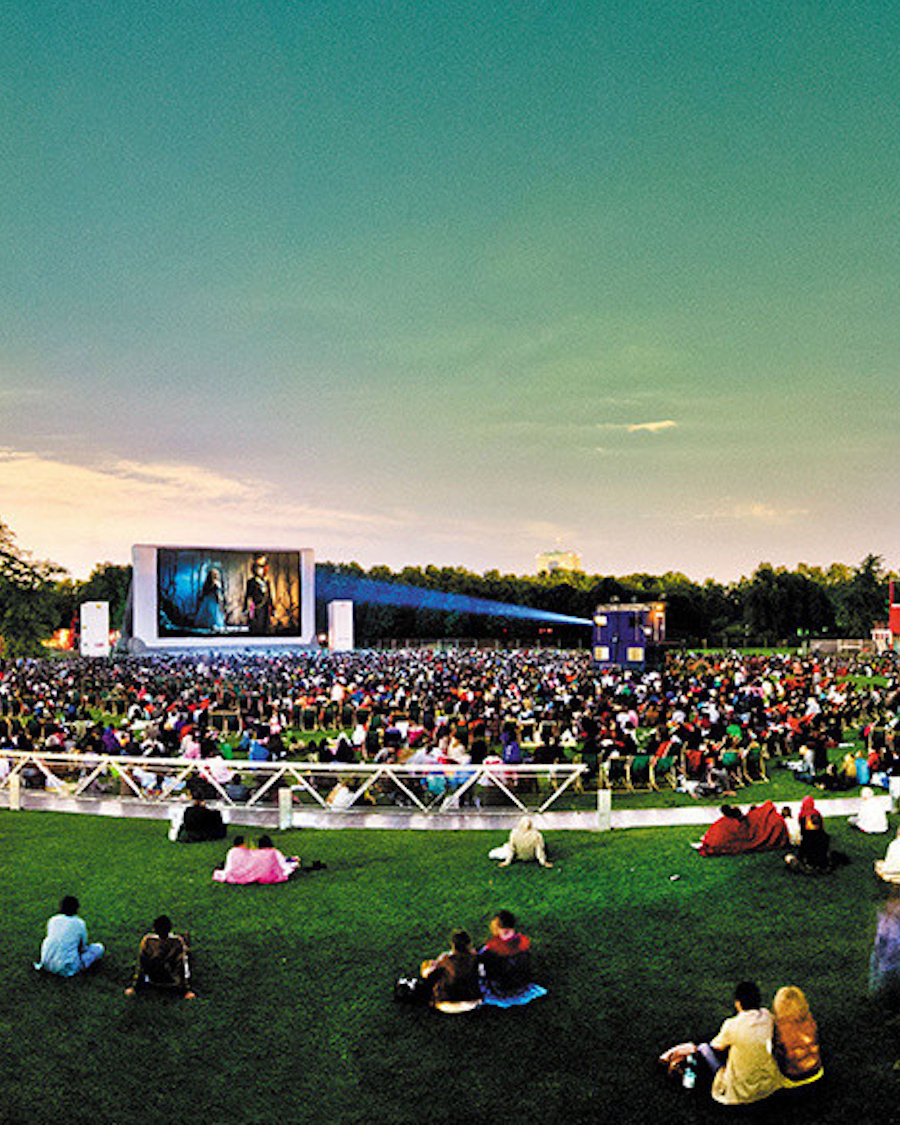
point(262, 864)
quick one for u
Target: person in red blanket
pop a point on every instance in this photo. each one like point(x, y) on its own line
point(761, 828)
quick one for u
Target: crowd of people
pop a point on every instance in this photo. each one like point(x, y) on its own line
point(463, 707)
point(707, 715)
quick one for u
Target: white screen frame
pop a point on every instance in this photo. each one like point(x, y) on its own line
point(145, 618)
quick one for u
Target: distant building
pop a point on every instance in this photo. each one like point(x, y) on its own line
point(887, 636)
point(893, 615)
point(548, 561)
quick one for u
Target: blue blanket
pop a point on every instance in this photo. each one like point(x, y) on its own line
point(512, 999)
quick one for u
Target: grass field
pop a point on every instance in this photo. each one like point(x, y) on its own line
point(295, 1020)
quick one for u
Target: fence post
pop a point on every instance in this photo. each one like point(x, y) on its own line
point(604, 810)
point(285, 815)
point(15, 793)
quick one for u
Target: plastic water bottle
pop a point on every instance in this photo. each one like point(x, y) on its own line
point(689, 1078)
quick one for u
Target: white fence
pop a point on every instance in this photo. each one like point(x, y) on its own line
point(332, 790)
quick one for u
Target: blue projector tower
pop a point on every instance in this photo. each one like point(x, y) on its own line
point(628, 635)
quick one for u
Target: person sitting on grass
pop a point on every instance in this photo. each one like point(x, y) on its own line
point(525, 843)
point(451, 979)
point(506, 963)
point(888, 868)
point(795, 1044)
point(738, 1059)
point(200, 823)
point(163, 962)
point(792, 824)
point(263, 864)
point(237, 860)
point(66, 950)
point(871, 817)
point(813, 857)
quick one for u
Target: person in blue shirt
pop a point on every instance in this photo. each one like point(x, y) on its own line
point(259, 752)
point(66, 949)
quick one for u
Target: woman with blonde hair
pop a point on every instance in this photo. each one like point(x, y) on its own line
point(795, 1042)
point(888, 868)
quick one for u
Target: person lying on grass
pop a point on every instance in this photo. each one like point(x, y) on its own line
point(66, 949)
point(163, 962)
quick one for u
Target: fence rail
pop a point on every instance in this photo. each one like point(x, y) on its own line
point(330, 788)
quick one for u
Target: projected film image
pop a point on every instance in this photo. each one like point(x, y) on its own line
point(203, 593)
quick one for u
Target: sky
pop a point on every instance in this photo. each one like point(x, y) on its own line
point(420, 283)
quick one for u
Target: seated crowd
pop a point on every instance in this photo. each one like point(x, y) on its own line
point(707, 716)
point(705, 723)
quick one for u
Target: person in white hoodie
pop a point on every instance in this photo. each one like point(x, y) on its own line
point(872, 815)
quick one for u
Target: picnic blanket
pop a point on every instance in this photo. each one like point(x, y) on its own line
point(511, 1000)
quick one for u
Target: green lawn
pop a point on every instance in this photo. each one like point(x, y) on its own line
point(295, 1021)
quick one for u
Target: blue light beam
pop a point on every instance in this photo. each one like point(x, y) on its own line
point(331, 587)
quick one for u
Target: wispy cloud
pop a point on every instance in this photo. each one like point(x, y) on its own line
point(652, 427)
point(639, 427)
point(536, 427)
point(180, 478)
point(752, 511)
point(81, 514)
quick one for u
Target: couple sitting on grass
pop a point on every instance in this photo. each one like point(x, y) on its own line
point(163, 961)
point(761, 828)
point(499, 974)
point(262, 864)
point(756, 1052)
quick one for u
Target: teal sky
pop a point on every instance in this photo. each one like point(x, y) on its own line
point(452, 283)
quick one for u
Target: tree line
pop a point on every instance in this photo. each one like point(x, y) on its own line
point(774, 606)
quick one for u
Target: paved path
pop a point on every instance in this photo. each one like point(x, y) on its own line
point(386, 818)
point(706, 814)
